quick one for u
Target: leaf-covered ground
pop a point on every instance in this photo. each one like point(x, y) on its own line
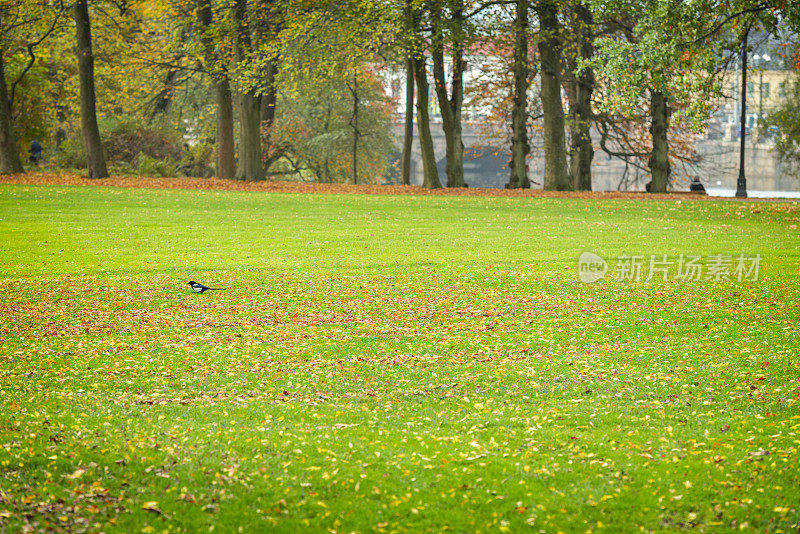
point(268, 186)
point(391, 363)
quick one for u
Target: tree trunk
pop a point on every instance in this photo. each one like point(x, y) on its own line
point(430, 172)
point(268, 102)
point(354, 125)
point(659, 160)
point(226, 153)
point(450, 105)
point(519, 112)
point(556, 177)
point(408, 133)
point(455, 157)
point(250, 165)
point(270, 97)
point(95, 157)
point(580, 89)
point(9, 151)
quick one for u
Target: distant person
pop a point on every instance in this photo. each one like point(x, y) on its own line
point(697, 187)
point(35, 152)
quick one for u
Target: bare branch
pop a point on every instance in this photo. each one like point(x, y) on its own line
point(32, 60)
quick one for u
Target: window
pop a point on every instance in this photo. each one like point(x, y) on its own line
point(750, 88)
point(765, 90)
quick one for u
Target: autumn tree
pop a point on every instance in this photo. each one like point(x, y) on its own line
point(314, 130)
point(272, 14)
point(505, 87)
point(407, 43)
point(579, 84)
point(406, 47)
point(248, 96)
point(556, 176)
point(95, 157)
point(519, 114)
point(549, 72)
point(298, 49)
point(9, 151)
point(408, 123)
point(784, 119)
point(449, 30)
point(216, 66)
point(430, 172)
point(651, 57)
point(25, 27)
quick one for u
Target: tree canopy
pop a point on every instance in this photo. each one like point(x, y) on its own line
point(277, 88)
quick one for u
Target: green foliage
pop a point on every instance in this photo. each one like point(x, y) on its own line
point(653, 49)
point(149, 166)
point(315, 128)
point(154, 61)
point(71, 153)
point(134, 147)
point(27, 30)
point(325, 39)
point(33, 115)
point(197, 160)
point(785, 120)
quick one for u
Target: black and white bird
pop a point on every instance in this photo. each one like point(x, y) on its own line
point(199, 288)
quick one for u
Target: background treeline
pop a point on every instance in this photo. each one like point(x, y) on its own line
point(256, 89)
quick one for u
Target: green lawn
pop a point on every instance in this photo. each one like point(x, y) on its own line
point(392, 363)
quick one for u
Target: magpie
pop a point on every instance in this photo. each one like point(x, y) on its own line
point(199, 288)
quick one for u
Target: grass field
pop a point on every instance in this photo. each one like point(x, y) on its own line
point(392, 364)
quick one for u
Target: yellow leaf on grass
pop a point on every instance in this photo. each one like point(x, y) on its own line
point(151, 506)
point(78, 473)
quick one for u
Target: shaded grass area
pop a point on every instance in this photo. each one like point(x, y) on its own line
point(391, 364)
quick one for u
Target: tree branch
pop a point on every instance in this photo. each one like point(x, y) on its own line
point(32, 60)
point(755, 9)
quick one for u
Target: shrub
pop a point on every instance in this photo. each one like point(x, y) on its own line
point(71, 154)
point(197, 160)
point(147, 166)
point(135, 148)
point(128, 140)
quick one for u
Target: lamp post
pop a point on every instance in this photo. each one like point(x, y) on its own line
point(741, 182)
point(765, 59)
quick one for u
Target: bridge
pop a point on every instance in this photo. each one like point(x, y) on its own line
point(486, 163)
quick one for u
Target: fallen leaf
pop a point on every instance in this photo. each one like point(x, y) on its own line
point(152, 506)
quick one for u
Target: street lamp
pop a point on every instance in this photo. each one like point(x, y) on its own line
point(765, 59)
point(741, 182)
